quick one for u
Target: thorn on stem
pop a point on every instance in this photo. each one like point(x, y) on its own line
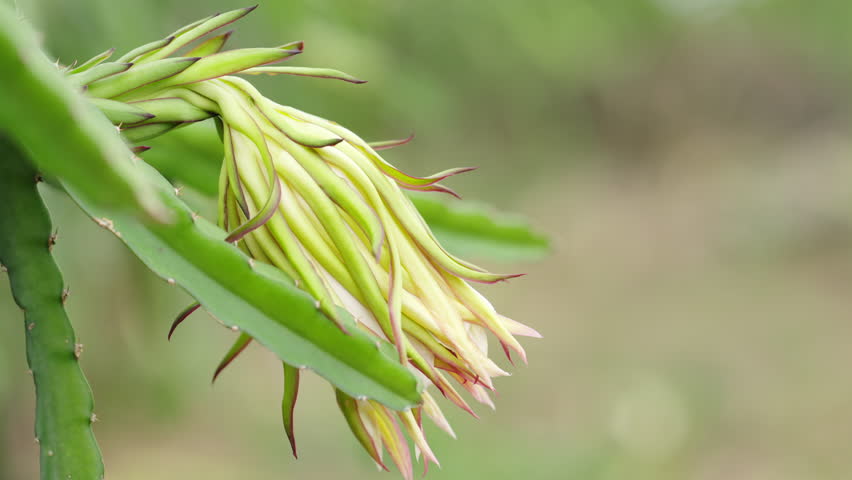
point(51, 240)
point(65, 292)
point(105, 223)
point(78, 350)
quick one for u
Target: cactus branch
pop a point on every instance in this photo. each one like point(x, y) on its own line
point(63, 396)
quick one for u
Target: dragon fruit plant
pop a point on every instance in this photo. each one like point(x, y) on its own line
point(322, 251)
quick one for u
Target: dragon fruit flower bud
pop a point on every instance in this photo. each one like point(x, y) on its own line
point(312, 198)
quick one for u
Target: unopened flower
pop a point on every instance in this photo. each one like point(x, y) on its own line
point(311, 198)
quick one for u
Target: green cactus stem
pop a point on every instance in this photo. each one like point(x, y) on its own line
point(64, 404)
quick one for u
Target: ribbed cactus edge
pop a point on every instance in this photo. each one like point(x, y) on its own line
point(64, 405)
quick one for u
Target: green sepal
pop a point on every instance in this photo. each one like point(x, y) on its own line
point(303, 133)
point(304, 72)
point(387, 144)
point(120, 113)
point(192, 32)
point(137, 52)
point(214, 66)
point(387, 428)
point(349, 408)
point(464, 227)
point(140, 133)
point(171, 109)
point(288, 403)
point(99, 72)
point(101, 57)
point(210, 46)
point(236, 349)
point(139, 76)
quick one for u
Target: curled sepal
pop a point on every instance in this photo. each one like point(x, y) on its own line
point(262, 216)
point(186, 312)
point(216, 65)
point(304, 72)
point(404, 210)
point(210, 46)
point(387, 144)
point(192, 32)
point(349, 408)
point(437, 187)
point(387, 428)
point(484, 311)
point(101, 57)
point(433, 411)
point(448, 391)
point(297, 45)
point(139, 133)
point(303, 133)
point(419, 182)
point(415, 431)
point(337, 189)
point(395, 301)
point(517, 328)
point(365, 149)
point(98, 72)
point(170, 109)
point(236, 349)
point(180, 31)
point(139, 76)
point(120, 113)
point(231, 61)
point(137, 52)
point(288, 402)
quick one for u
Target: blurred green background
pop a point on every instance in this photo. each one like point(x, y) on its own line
point(690, 160)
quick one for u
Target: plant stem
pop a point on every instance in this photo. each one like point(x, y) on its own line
point(63, 396)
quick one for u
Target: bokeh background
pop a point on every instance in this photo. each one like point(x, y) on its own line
point(690, 160)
